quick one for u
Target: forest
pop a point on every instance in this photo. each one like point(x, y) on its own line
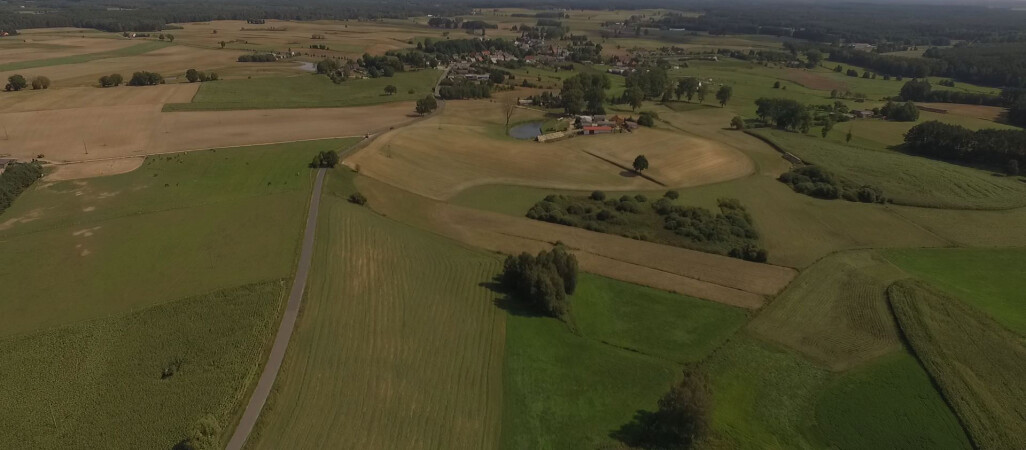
point(996, 148)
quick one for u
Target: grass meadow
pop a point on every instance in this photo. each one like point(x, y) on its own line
point(976, 363)
point(991, 280)
point(889, 403)
point(134, 50)
point(575, 390)
point(102, 383)
point(307, 91)
point(180, 225)
point(399, 344)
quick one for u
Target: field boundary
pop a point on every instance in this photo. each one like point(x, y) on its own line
point(275, 358)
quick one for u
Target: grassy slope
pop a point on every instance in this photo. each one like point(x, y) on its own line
point(906, 179)
point(992, 280)
point(399, 344)
point(568, 391)
point(307, 91)
point(179, 226)
point(100, 381)
point(137, 49)
point(975, 361)
point(890, 403)
point(836, 311)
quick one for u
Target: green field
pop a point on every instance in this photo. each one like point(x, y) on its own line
point(836, 311)
point(181, 225)
point(890, 403)
point(307, 91)
point(907, 180)
point(564, 390)
point(975, 361)
point(992, 280)
point(103, 381)
point(399, 344)
point(137, 49)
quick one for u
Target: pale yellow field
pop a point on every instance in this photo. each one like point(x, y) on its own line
point(45, 46)
point(465, 146)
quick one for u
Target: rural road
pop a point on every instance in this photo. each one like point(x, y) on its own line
point(288, 323)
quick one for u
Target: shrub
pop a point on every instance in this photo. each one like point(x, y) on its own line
point(15, 83)
point(358, 199)
point(646, 119)
point(598, 195)
point(672, 195)
point(40, 82)
point(640, 198)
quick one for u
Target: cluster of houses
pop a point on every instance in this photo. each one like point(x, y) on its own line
point(464, 69)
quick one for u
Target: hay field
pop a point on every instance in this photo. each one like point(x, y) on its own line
point(465, 146)
point(836, 311)
point(138, 49)
point(399, 344)
point(181, 225)
point(572, 390)
point(976, 362)
point(89, 382)
point(890, 403)
point(32, 47)
point(63, 125)
point(702, 275)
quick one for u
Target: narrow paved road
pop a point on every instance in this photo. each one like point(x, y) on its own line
point(288, 323)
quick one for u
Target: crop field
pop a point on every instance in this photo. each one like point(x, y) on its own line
point(90, 381)
point(890, 403)
point(399, 343)
point(136, 49)
point(971, 228)
point(568, 390)
point(307, 91)
point(991, 280)
point(836, 311)
point(29, 47)
point(907, 180)
point(975, 361)
point(466, 146)
point(86, 249)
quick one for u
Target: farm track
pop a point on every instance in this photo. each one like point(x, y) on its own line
point(288, 323)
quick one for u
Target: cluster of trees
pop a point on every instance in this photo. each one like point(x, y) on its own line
point(543, 281)
point(900, 112)
point(194, 75)
point(325, 159)
point(319, 46)
point(681, 420)
point(922, 91)
point(815, 181)
point(378, 66)
point(992, 64)
point(258, 57)
point(585, 93)
point(652, 81)
point(733, 226)
point(997, 148)
point(15, 179)
point(18, 82)
point(445, 22)
point(784, 113)
point(463, 89)
point(114, 79)
point(146, 79)
point(426, 105)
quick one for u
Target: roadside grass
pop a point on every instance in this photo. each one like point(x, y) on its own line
point(836, 311)
point(763, 397)
point(889, 403)
point(307, 91)
point(179, 226)
point(399, 343)
point(991, 280)
point(975, 361)
point(906, 180)
point(137, 49)
point(102, 382)
point(564, 390)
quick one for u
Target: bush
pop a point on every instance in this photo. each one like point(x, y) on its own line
point(358, 199)
point(113, 79)
point(17, 178)
point(15, 83)
point(598, 195)
point(672, 195)
point(640, 198)
point(645, 119)
point(40, 82)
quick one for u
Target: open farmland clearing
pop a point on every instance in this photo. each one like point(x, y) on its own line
point(31, 46)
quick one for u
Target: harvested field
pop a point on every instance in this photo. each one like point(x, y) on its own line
point(92, 169)
point(703, 275)
point(35, 47)
point(836, 311)
point(89, 97)
point(465, 146)
point(399, 344)
point(141, 129)
point(813, 80)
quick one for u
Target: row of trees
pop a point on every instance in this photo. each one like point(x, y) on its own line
point(114, 79)
point(920, 90)
point(459, 90)
point(815, 181)
point(544, 281)
point(900, 112)
point(15, 179)
point(784, 113)
point(146, 79)
point(18, 82)
point(258, 57)
point(193, 75)
point(998, 148)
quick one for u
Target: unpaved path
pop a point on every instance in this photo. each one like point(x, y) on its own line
point(288, 323)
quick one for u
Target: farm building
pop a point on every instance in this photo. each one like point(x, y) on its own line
point(863, 113)
point(592, 130)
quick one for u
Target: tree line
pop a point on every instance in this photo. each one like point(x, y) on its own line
point(817, 182)
point(995, 148)
point(258, 57)
point(15, 179)
point(145, 79)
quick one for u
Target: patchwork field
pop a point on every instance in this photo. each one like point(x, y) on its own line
point(399, 343)
point(90, 381)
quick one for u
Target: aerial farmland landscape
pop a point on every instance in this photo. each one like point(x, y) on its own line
point(488, 224)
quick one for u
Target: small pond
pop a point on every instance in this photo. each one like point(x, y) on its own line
point(529, 130)
point(307, 66)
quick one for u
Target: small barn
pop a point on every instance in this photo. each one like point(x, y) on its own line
point(597, 130)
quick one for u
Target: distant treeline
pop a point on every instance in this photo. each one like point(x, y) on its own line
point(461, 90)
point(994, 65)
point(996, 148)
point(14, 181)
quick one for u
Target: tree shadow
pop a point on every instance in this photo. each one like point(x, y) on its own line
point(507, 301)
point(641, 432)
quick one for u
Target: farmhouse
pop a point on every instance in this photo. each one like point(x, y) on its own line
point(863, 113)
point(592, 130)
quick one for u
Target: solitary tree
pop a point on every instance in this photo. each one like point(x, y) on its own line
point(170, 38)
point(390, 90)
point(724, 94)
point(737, 123)
point(16, 83)
point(40, 82)
point(426, 105)
point(634, 97)
point(509, 106)
point(703, 89)
point(192, 75)
point(827, 126)
point(689, 86)
point(683, 415)
point(223, 43)
point(848, 137)
point(640, 163)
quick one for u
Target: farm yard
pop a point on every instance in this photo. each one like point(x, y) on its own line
point(680, 253)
